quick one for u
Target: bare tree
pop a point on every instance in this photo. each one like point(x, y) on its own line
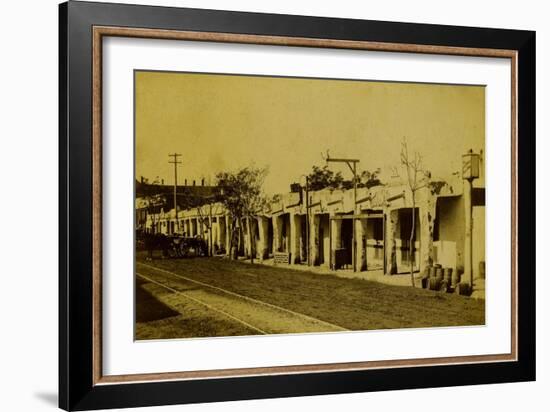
point(206, 220)
point(413, 167)
point(154, 201)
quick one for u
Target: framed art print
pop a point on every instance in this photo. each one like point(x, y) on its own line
point(259, 205)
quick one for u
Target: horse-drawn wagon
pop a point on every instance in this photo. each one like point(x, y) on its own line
point(174, 246)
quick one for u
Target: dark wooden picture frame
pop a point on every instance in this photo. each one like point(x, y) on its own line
point(81, 28)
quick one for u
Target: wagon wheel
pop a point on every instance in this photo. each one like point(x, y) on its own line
point(183, 249)
point(444, 286)
point(200, 250)
point(172, 251)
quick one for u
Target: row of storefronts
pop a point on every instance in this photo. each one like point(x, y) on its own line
point(340, 229)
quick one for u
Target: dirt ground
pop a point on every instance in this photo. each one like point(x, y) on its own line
point(207, 297)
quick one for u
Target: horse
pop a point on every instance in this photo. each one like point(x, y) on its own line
point(156, 241)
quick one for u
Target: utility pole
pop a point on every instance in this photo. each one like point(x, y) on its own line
point(175, 162)
point(470, 171)
point(352, 164)
point(211, 230)
point(308, 246)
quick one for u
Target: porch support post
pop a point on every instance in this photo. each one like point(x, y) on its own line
point(247, 241)
point(263, 229)
point(336, 234)
point(335, 240)
point(227, 234)
point(193, 227)
point(217, 238)
point(222, 232)
point(211, 237)
point(390, 251)
point(199, 226)
point(315, 221)
point(277, 233)
point(295, 234)
point(361, 238)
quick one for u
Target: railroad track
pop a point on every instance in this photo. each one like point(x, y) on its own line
point(200, 302)
point(260, 316)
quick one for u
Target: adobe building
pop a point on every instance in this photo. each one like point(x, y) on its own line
point(316, 228)
point(154, 198)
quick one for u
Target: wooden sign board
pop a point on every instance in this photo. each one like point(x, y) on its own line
point(281, 257)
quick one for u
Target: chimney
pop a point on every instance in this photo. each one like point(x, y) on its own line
point(202, 181)
point(185, 182)
point(162, 182)
point(141, 179)
point(193, 183)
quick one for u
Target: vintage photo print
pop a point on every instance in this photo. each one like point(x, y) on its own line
point(284, 205)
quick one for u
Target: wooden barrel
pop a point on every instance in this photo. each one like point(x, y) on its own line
point(425, 282)
point(432, 272)
point(455, 278)
point(448, 274)
point(426, 272)
point(463, 289)
point(434, 283)
point(439, 273)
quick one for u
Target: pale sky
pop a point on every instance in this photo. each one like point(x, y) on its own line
point(224, 122)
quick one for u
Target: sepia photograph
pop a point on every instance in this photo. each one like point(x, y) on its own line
point(288, 205)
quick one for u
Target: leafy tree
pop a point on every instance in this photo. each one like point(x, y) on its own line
point(369, 179)
point(322, 177)
point(241, 193)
